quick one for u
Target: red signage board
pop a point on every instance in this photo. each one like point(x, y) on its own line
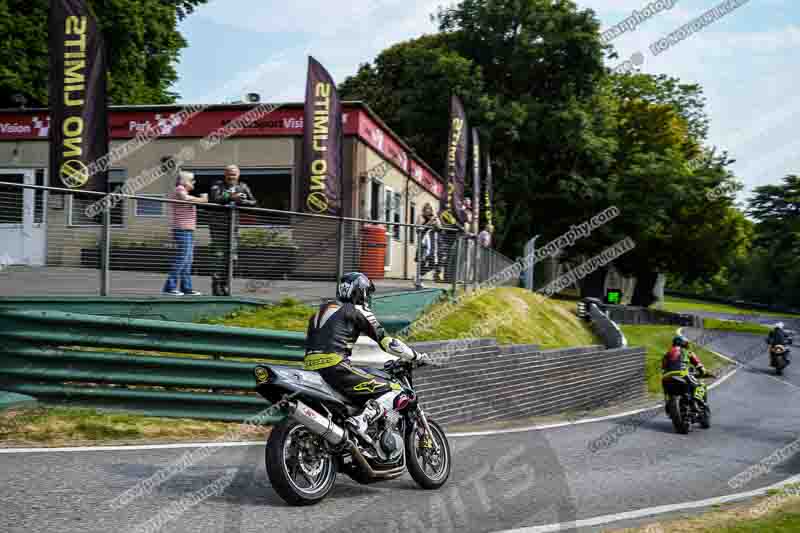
point(281, 122)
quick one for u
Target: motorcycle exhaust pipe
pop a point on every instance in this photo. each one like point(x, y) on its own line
point(316, 423)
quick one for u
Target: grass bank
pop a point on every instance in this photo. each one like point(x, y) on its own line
point(513, 316)
point(657, 340)
point(739, 327)
point(287, 315)
point(679, 305)
point(70, 426)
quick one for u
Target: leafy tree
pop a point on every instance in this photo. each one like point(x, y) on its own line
point(677, 226)
point(141, 35)
point(410, 85)
point(568, 138)
point(774, 276)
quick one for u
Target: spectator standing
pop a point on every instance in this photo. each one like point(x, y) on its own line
point(184, 223)
point(429, 241)
point(229, 192)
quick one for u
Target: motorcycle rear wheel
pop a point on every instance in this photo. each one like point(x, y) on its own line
point(419, 457)
point(679, 422)
point(289, 453)
point(705, 418)
point(780, 364)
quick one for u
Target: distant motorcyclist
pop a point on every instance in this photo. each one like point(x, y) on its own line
point(676, 363)
point(332, 332)
point(779, 337)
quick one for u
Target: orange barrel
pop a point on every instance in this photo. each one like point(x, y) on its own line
point(373, 251)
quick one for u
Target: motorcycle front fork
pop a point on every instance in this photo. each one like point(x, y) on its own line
point(426, 429)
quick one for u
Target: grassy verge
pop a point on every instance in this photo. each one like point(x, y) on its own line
point(657, 340)
point(287, 315)
point(732, 325)
point(59, 426)
point(777, 513)
point(513, 316)
point(678, 305)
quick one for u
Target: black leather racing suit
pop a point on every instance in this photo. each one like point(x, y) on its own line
point(332, 332)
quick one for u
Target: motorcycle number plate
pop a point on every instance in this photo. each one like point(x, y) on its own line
point(700, 393)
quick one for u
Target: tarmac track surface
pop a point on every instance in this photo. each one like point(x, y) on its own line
point(498, 482)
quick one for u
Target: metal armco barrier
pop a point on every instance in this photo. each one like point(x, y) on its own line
point(68, 357)
point(76, 358)
point(605, 327)
point(626, 314)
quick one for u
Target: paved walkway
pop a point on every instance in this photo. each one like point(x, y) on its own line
point(57, 281)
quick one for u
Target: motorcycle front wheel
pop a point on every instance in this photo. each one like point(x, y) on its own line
point(428, 462)
point(299, 471)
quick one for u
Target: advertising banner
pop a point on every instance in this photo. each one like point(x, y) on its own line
point(476, 179)
point(452, 211)
point(78, 129)
point(322, 144)
point(488, 195)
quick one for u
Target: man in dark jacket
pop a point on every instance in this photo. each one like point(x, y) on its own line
point(230, 192)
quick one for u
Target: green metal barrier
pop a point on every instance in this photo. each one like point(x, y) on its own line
point(87, 359)
point(70, 357)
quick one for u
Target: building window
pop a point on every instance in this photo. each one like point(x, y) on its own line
point(271, 187)
point(388, 205)
point(376, 197)
point(79, 203)
point(412, 219)
point(397, 215)
point(150, 208)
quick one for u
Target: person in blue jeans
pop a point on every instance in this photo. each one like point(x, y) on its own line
point(184, 223)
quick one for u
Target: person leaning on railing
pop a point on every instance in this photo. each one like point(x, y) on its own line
point(184, 223)
point(229, 192)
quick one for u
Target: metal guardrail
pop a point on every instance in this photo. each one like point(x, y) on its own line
point(91, 360)
point(130, 248)
point(607, 329)
point(626, 314)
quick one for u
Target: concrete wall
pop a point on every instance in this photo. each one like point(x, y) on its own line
point(487, 383)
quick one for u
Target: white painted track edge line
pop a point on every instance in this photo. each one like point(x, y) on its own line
point(131, 447)
point(651, 511)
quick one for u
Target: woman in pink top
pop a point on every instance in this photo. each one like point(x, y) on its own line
point(184, 222)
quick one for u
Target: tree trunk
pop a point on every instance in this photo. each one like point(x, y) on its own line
point(643, 295)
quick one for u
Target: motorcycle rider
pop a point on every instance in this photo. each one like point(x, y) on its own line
point(778, 336)
point(676, 364)
point(332, 332)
